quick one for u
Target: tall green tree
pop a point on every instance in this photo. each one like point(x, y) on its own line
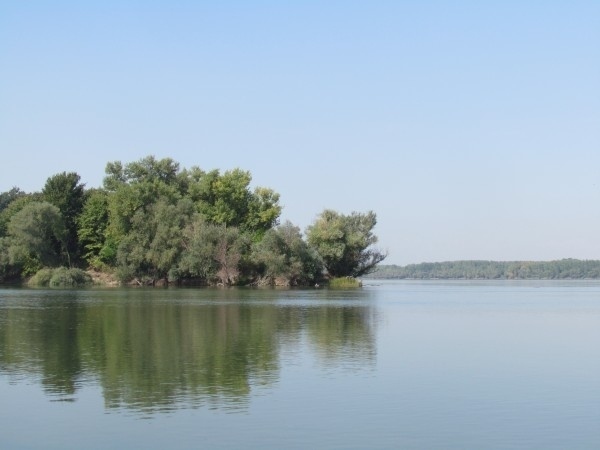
point(91, 228)
point(231, 245)
point(37, 234)
point(197, 259)
point(133, 187)
point(214, 253)
point(65, 191)
point(226, 199)
point(5, 264)
point(13, 207)
point(153, 246)
point(345, 242)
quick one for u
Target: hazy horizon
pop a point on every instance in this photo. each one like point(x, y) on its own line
point(471, 129)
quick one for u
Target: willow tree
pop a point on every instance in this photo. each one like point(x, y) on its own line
point(284, 258)
point(345, 242)
point(152, 248)
point(37, 237)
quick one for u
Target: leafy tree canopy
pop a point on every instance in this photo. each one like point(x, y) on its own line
point(344, 242)
point(285, 258)
point(37, 231)
point(13, 207)
point(91, 226)
point(153, 220)
point(7, 197)
point(65, 191)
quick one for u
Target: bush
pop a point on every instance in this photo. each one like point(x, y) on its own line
point(61, 277)
point(41, 278)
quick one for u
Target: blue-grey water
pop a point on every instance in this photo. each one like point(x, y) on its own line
point(396, 364)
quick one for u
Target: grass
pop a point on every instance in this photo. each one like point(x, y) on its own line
point(345, 283)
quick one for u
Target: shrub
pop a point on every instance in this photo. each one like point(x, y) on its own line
point(41, 278)
point(60, 277)
point(63, 277)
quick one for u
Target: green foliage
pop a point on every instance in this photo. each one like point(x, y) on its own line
point(60, 277)
point(6, 198)
point(36, 232)
point(152, 236)
point(263, 211)
point(197, 259)
point(146, 170)
point(65, 277)
point(227, 200)
point(41, 278)
point(132, 187)
point(213, 253)
point(230, 246)
point(344, 283)
point(153, 246)
point(13, 207)
point(231, 198)
point(285, 259)
point(345, 242)
point(5, 266)
point(91, 228)
point(66, 192)
point(153, 221)
point(493, 270)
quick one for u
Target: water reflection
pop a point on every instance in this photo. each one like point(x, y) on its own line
point(162, 350)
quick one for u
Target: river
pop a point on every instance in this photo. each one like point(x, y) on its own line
point(396, 364)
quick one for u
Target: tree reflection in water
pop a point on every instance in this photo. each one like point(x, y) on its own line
point(150, 353)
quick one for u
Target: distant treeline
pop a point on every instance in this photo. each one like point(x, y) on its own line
point(493, 270)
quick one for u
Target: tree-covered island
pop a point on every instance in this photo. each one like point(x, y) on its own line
point(153, 223)
point(564, 269)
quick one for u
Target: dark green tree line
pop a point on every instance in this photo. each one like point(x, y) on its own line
point(494, 270)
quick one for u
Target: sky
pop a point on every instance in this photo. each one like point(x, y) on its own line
point(472, 129)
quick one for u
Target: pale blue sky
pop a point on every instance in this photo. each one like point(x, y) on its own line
point(472, 129)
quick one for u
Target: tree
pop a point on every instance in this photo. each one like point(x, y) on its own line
point(134, 187)
point(345, 242)
point(197, 259)
point(263, 211)
point(13, 207)
point(4, 258)
point(223, 199)
point(153, 246)
point(213, 252)
point(284, 258)
point(229, 250)
point(37, 232)
point(64, 191)
point(91, 227)
point(148, 169)
point(226, 199)
point(7, 197)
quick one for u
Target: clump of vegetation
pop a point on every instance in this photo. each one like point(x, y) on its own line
point(345, 283)
point(345, 243)
point(155, 223)
point(41, 278)
point(60, 277)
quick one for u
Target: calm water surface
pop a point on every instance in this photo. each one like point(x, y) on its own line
point(393, 365)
